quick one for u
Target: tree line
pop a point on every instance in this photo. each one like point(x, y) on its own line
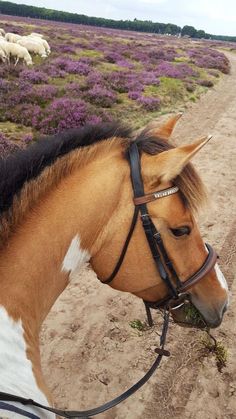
point(14, 9)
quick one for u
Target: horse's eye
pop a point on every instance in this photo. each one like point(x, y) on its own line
point(181, 231)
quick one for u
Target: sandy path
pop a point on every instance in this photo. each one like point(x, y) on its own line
point(90, 353)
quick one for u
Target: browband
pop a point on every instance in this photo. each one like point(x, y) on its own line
point(155, 195)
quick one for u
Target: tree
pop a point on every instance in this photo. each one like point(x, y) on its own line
point(201, 34)
point(189, 30)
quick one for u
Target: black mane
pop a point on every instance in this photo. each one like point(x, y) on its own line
point(27, 164)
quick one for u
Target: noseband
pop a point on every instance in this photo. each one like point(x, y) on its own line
point(176, 288)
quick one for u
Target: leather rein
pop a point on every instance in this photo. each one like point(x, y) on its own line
point(176, 288)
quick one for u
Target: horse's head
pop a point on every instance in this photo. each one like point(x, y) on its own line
point(163, 166)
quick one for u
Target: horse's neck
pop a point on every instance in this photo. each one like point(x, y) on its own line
point(62, 231)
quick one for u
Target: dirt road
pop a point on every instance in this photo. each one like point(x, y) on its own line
point(90, 352)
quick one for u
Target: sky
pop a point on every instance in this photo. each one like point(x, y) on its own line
point(214, 16)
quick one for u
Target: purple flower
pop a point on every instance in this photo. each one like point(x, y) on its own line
point(178, 71)
point(63, 113)
point(100, 96)
point(150, 104)
point(43, 93)
point(70, 66)
point(134, 95)
point(34, 76)
point(27, 139)
point(6, 146)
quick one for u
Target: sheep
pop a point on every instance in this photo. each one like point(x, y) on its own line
point(3, 55)
point(42, 42)
point(32, 46)
point(12, 37)
point(14, 50)
point(36, 34)
point(2, 32)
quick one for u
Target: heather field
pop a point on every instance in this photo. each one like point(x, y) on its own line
point(90, 353)
point(96, 74)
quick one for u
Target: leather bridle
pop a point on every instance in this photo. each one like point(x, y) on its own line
point(176, 288)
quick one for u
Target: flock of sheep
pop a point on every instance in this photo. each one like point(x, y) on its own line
point(19, 47)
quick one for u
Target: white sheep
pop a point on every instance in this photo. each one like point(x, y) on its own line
point(14, 50)
point(2, 32)
point(39, 35)
point(40, 41)
point(12, 37)
point(3, 55)
point(32, 46)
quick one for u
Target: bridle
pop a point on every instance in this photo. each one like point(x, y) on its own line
point(176, 288)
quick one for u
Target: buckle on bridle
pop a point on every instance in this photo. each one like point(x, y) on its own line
point(145, 219)
point(162, 352)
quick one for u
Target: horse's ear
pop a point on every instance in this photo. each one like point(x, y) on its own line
point(169, 164)
point(165, 130)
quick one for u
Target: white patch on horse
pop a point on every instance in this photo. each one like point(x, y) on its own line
point(221, 277)
point(16, 369)
point(75, 256)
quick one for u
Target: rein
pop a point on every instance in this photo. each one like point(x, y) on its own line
point(86, 414)
point(176, 288)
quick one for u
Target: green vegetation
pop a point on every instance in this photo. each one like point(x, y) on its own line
point(137, 324)
point(218, 349)
point(193, 316)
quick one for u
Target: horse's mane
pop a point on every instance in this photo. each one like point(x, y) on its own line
point(25, 165)
point(28, 174)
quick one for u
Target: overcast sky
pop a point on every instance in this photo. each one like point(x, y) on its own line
point(214, 16)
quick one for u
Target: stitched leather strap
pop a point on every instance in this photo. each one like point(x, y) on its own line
point(155, 195)
point(86, 414)
point(204, 270)
point(124, 249)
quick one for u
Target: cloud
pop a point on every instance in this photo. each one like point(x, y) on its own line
point(214, 16)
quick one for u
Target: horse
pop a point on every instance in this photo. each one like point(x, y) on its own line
point(68, 199)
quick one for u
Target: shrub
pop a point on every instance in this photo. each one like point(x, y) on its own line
point(205, 83)
point(34, 76)
point(134, 95)
point(43, 93)
point(150, 104)
point(190, 87)
point(178, 71)
point(27, 114)
point(70, 66)
point(100, 96)
point(6, 146)
point(63, 113)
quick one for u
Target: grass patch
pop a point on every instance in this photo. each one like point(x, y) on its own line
point(152, 90)
point(137, 324)
point(182, 59)
point(193, 316)
point(70, 78)
point(217, 348)
point(14, 132)
point(171, 90)
point(103, 67)
point(89, 53)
